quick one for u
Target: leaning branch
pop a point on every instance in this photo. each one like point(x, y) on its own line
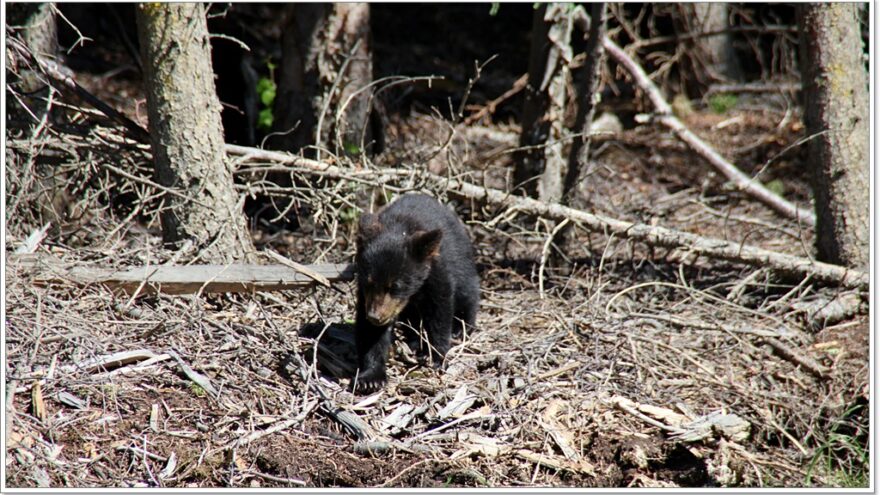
point(652, 235)
point(665, 116)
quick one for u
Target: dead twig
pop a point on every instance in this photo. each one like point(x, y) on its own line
point(54, 72)
point(490, 107)
point(279, 479)
point(797, 358)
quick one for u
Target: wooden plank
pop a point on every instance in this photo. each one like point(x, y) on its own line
point(180, 279)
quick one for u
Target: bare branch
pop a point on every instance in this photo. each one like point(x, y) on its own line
point(652, 235)
point(665, 116)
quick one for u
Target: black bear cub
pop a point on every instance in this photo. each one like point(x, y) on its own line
point(415, 264)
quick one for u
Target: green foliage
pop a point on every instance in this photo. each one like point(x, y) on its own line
point(843, 458)
point(776, 186)
point(110, 391)
point(265, 119)
point(196, 389)
point(351, 148)
point(720, 103)
point(493, 10)
point(266, 89)
point(348, 215)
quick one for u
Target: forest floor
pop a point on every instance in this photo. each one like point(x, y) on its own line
point(627, 366)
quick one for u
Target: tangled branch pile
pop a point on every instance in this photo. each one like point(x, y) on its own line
point(639, 364)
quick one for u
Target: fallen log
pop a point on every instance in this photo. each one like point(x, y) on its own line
point(182, 279)
point(653, 235)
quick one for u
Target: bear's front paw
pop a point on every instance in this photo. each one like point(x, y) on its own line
point(369, 382)
point(435, 362)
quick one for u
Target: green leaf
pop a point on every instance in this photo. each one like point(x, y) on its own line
point(348, 215)
point(199, 391)
point(722, 102)
point(493, 10)
point(265, 119)
point(266, 89)
point(351, 148)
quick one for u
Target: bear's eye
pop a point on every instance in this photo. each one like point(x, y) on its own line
point(396, 287)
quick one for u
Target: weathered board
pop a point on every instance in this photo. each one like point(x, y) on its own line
point(181, 279)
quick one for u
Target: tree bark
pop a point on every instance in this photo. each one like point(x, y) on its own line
point(836, 115)
point(589, 93)
point(709, 17)
point(578, 155)
point(187, 135)
point(540, 165)
point(323, 89)
point(35, 24)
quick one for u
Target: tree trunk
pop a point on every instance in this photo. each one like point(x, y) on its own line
point(323, 95)
point(578, 156)
point(710, 17)
point(589, 94)
point(35, 25)
point(836, 114)
point(540, 166)
point(187, 134)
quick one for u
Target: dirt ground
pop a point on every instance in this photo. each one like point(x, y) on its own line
point(627, 366)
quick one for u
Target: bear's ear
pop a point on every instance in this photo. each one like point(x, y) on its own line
point(368, 227)
point(426, 245)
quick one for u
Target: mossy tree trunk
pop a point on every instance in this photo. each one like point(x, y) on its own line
point(323, 85)
point(836, 114)
point(187, 134)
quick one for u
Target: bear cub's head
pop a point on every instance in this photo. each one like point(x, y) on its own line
point(393, 262)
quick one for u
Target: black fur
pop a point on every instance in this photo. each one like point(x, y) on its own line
point(415, 254)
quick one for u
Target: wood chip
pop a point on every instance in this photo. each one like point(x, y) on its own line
point(196, 377)
point(459, 404)
point(560, 435)
point(399, 418)
point(71, 400)
point(37, 403)
point(170, 467)
point(154, 417)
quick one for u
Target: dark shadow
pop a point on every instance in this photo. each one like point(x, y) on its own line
point(332, 350)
